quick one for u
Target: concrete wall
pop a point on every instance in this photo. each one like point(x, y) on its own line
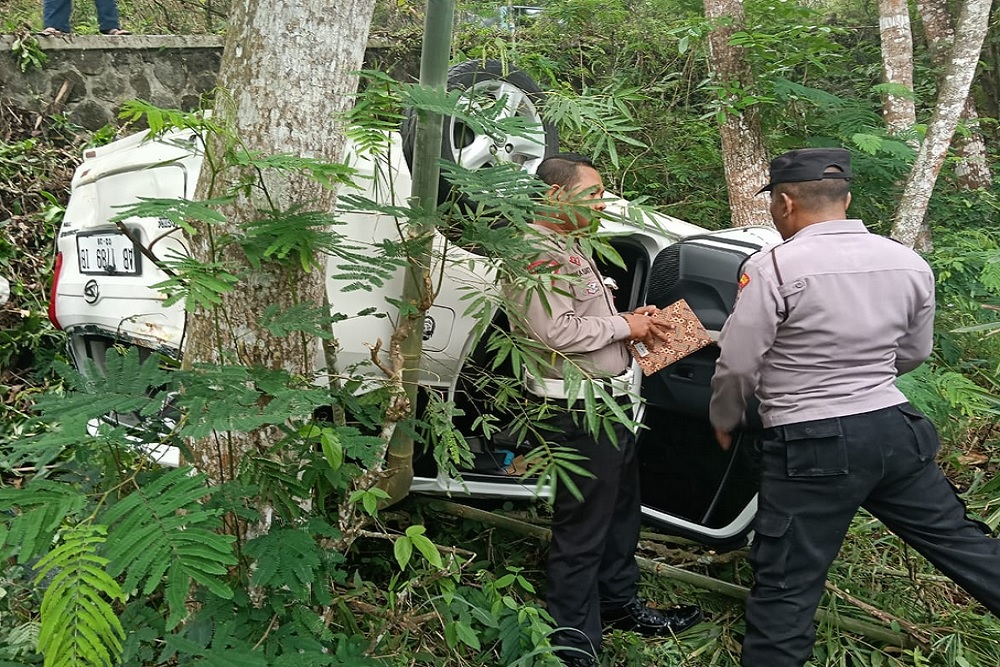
point(87, 77)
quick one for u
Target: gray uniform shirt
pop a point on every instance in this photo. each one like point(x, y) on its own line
point(577, 318)
point(850, 311)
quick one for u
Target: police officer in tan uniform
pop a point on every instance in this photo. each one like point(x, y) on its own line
point(592, 574)
point(823, 324)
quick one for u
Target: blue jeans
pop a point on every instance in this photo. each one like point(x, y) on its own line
point(56, 14)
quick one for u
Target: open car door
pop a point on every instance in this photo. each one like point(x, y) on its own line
point(690, 486)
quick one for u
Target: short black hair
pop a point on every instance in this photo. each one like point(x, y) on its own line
point(562, 169)
point(809, 193)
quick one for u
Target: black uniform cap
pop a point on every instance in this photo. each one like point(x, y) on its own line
point(809, 164)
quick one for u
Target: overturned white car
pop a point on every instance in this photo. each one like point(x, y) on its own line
point(102, 297)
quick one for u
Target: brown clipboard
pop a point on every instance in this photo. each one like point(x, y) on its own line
point(687, 336)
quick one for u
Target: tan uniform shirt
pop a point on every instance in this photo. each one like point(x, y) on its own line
point(850, 311)
point(578, 318)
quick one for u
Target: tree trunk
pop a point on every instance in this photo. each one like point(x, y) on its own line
point(908, 226)
point(973, 169)
point(743, 154)
point(286, 78)
point(899, 111)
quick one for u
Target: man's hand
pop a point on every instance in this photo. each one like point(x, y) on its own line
point(642, 326)
point(725, 439)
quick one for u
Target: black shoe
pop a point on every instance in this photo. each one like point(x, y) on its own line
point(637, 617)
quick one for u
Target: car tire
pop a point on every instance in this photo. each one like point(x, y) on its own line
point(459, 144)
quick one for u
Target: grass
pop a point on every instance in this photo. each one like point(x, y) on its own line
point(876, 580)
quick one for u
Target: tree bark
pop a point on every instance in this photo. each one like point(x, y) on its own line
point(285, 79)
point(908, 226)
point(743, 154)
point(973, 169)
point(899, 111)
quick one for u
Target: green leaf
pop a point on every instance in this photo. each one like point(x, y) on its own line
point(162, 528)
point(869, 143)
point(333, 452)
point(369, 499)
point(198, 284)
point(286, 557)
point(177, 212)
point(403, 550)
point(122, 385)
point(79, 627)
point(467, 635)
point(33, 513)
point(427, 550)
point(314, 320)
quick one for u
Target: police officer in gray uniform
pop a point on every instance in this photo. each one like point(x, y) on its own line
point(592, 574)
point(823, 324)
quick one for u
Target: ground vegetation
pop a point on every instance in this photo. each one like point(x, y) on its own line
point(629, 84)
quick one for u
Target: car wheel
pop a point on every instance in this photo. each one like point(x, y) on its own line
point(461, 144)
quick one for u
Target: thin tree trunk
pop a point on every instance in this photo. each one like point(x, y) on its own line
point(285, 76)
point(908, 226)
point(899, 111)
point(743, 154)
point(973, 169)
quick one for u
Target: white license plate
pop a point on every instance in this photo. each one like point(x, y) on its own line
point(107, 253)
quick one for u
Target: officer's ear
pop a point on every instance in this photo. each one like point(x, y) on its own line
point(779, 204)
point(555, 193)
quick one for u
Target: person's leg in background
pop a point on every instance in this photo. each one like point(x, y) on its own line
point(107, 16)
point(55, 14)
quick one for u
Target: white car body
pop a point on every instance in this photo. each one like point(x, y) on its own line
point(99, 306)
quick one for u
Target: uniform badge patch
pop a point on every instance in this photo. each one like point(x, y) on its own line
point(744, 281)
point(593, 287)
point(575, 260)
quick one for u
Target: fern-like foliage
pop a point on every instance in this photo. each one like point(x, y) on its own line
point(178, 211)
point(286, 557)
point(161, 121)
point(602, 119)
point(310, 319)
point(482, 114)
point(505, 191)
point(451, 450)
point(327, 174)
point(33, 514)
point(21, 641)
point(291, 238)
point(238, 398)
point(943, 393)
point(198, 284)
point(162, 530)
point(123, 386)
point(79, 625)
point(377, 111)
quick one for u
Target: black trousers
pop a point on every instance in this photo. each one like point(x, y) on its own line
point(592, 553)
point(815, 476)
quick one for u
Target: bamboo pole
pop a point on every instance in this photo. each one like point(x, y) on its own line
point(872, 631)
point(417, 287)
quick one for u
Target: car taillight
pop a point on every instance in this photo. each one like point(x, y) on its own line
point(52, 296)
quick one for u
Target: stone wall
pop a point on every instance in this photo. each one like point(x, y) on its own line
point(88, 77)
